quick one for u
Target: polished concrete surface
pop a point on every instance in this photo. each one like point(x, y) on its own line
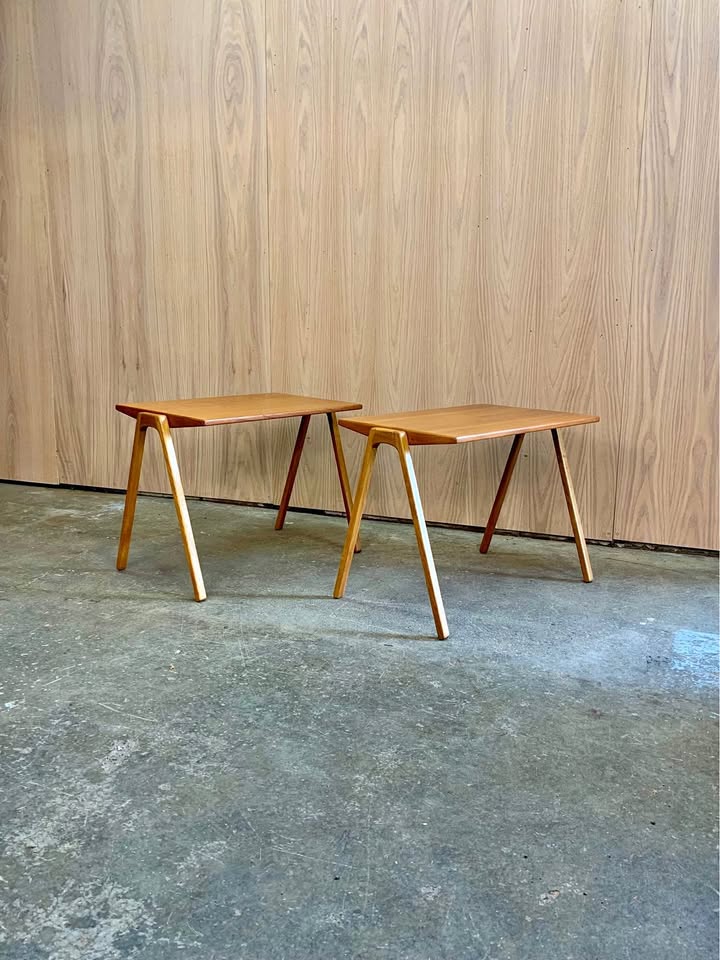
point(276, 774)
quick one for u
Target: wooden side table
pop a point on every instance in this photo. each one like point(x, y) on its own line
point(212, 411)
point(456, 425)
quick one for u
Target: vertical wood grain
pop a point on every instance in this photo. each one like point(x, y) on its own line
point(668, 477)
point(27, 421)
point(460, 104)
point(240, 229)
point(558, 180)
point(488, 230)
point(313, 349)
point(154, 123)
point(205, 95)
point(407, 202)
point(407, 368)
point(90, 97)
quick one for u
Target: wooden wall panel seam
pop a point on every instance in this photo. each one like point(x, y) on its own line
point(27, 425)
point(535, 79)
point(668, 476)
point(626, 352)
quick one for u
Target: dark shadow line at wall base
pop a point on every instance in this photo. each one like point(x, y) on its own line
point(622, 544)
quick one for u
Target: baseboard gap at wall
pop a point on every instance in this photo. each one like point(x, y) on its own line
point(620, 544)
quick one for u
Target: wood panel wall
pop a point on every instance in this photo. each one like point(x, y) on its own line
point(668, 482)
point(408, 202)
point(154, 139)
point(452, 206)
point(27, 304)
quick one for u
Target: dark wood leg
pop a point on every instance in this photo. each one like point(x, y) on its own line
point(502, 490)
point(341, 469)
point(292, 472)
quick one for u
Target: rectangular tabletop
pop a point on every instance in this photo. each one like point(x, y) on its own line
point(210, 411)
point(476, 421)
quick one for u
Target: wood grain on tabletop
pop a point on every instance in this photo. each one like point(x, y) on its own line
point(467, 423)
point(211, 411)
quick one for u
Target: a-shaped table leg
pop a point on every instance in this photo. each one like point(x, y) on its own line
point(398, 440)
point(159, 423)
point(569, 498)
point(413, 495)
point(345, 488)
point(133, 483)
point(502, 490)
point(183, 516)
point(292, 473)
point(572, 506)
point(358, 509)
point(295, 463)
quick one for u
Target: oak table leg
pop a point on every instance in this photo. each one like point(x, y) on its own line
point(159, 423)
point(358, 508)
point(173, 470)
point(502, 490)
point(398, 440)
point(413, 495)
point(572, 506)
point(341, 469)
point(133, 483)
point(292, 473)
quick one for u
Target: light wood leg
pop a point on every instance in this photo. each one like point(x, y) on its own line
point(502, 490)
point(341, 469)
point(397, 439)
point(572, 506)
point(168, 448)
point(133, 483)
point(428, 563)
point(358, 508)
point(292, 473)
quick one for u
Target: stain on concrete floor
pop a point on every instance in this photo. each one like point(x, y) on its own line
point(275, 774)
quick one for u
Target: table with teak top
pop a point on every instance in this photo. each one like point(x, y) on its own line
point(456, 425)
point(165, 415)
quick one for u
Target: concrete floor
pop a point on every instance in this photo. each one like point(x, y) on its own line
point(275, 774)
